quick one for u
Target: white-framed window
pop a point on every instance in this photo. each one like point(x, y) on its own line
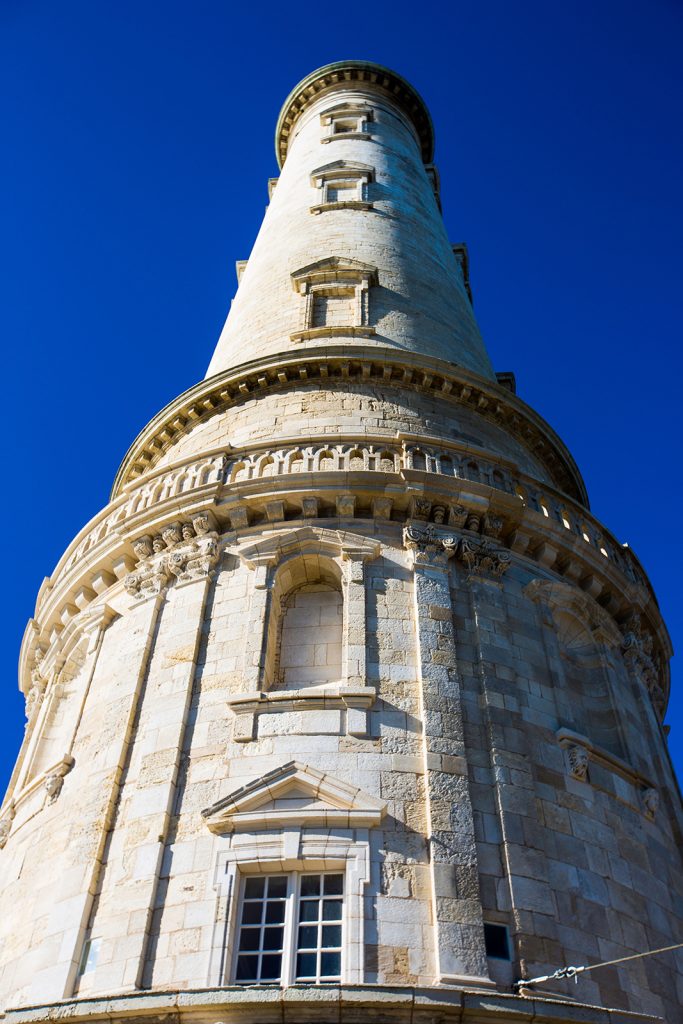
point(294, 855)
point(290, 929)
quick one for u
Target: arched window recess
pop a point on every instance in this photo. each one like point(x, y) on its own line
point(305, 640)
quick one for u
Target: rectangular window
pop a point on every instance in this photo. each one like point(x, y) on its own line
point(497, 942)
point(261, 934)
point(334, 308)
point(319, 938)
point(341, 192)
point(290, 929)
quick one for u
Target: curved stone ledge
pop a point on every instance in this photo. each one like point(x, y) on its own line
point(383, 366)
point(327, 1004)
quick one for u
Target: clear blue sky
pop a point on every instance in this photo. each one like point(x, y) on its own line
point(137, 142)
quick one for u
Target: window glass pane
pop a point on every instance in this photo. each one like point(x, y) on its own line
point(277, 886)
point(309, 910)
point(332, 935)
point(330, 965)
point(253, 888)
point(270, 967)
point(308, 937)
point(249, 939)
point(251, 913)
point(310, 885)
point(332, 910)
point(306, 965)
point(275, 912)
point(333, 885)
point(272, 938)
point(247, 968)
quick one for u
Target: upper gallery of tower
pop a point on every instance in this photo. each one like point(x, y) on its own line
point(353, 248)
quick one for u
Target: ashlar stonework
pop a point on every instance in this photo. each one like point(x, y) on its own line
point(345, 704)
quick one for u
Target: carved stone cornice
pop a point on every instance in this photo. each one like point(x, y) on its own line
point(488, 399)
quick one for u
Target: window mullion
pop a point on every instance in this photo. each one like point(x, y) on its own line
point(289, 948)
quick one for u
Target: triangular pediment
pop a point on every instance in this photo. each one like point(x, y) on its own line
point(294, 795)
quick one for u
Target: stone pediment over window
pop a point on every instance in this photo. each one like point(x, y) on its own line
point(342, 185)
point(335, 293)
point(294, 795)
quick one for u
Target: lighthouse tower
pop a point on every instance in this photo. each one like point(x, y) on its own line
point(345, 705)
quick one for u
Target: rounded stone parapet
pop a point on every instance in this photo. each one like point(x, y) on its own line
point(346, 74)
point(328, 1004)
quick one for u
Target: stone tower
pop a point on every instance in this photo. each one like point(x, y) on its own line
point(345, 704)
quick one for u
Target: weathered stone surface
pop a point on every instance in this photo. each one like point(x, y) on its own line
point(394, 590)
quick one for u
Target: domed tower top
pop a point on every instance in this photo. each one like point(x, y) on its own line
point(353, 246)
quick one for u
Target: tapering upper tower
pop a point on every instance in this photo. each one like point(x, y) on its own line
point(345, 703)
point(353, 246)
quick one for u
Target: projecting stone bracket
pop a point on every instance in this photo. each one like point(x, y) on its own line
point(433, 550)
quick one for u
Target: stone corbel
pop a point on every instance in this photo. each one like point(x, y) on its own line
point(8, 816)
point(482, 558)
point(429, 549)
point(580, 751)
point(637, 648)
point(54, 778)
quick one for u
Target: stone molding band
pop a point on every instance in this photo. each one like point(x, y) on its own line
point(372, 364)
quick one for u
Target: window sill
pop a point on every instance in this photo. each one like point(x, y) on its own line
point(355, 700)
point(346, 135)
point(333, 332)
point(352, 204)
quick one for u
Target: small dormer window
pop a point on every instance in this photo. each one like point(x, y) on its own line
point(342, 185)
point(335, 294)
point(347, 121)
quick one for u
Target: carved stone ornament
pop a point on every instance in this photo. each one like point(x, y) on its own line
point(428, 547)
point(143, 547)
point(172, 535)
point(201, 523)
point(34, 697)
point(187, 551)
point(6, 824)
point(195, 560)
point(54, 780)
point(493, 526)
point(457, 516)
point(482, 558)
point(650, 803)
point(637, 648)
point(578, 762)
point(147, 581)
